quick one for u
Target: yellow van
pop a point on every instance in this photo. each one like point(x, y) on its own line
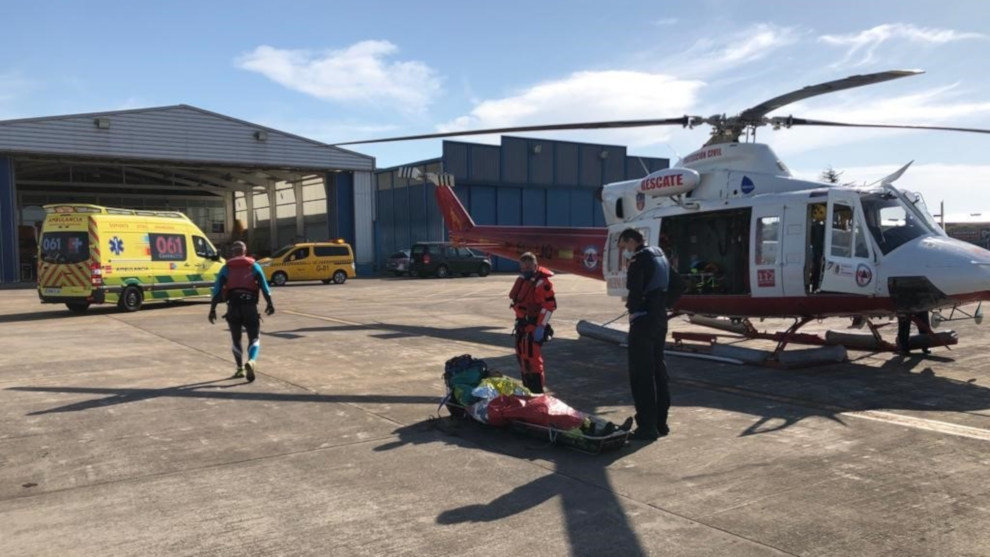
point(326, 261)
point(94, 255)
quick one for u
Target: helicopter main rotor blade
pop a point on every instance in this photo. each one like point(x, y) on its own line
point(684, 121)
point(788, 121)
point(759, 111)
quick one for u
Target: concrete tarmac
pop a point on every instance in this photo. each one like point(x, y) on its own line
point(123, 434)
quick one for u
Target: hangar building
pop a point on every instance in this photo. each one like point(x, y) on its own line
point(523, 181)
point(234, 179)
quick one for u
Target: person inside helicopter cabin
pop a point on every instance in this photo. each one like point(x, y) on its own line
point(816, 246)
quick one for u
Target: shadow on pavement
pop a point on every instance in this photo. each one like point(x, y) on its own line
point(595, 519)
point(57, 311)
point(205, 389)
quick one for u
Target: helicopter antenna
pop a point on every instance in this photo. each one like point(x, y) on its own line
point(646, 170)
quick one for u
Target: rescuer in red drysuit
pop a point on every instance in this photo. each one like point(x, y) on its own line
point(534, 302)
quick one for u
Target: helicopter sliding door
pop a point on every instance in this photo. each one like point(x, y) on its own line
point(849, 265)
point(616, 262)
point(766, 274)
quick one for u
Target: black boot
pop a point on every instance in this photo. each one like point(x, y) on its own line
point(533, 382)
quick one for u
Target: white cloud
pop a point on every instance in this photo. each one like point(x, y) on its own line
point(865, 43)
point(711, 56)
point(965, 188)
point(324, 130)
point(358, 73)
point(589, 97)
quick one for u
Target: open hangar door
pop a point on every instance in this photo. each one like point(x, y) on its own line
point(228, 203)
point(234, 178)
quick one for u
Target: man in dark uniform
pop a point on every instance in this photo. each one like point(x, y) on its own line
point(647, 280)
point(921, 321)
point(238, 283)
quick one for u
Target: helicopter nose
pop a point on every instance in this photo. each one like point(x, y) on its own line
point(955, 267)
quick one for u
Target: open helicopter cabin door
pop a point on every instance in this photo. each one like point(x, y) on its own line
point(849, 264)
point(616, 262)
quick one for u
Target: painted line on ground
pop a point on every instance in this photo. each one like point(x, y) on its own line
point(892, 418)
point(325, 318)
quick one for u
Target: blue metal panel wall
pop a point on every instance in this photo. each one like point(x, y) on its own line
point(482, 206)
point(590, 166)
point(345, 206)
point(534, 209)
point(455, 159)
point(565, 156)
point(437, 230)
point(510, 214)
point(511, 185)
point(559, 207)
point(385, 219)
point(613, 165)
point(418, 225)
point(514, 167)
point(541, 165)
point(599, 214)
point(9, 267)
point(401, 217)
point(509, 206)
point(484, 163)
point(582, 208)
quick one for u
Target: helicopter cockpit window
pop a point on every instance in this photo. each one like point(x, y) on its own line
point(891, 223)
point(842, 230)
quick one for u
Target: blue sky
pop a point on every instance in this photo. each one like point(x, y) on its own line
point(338, 71)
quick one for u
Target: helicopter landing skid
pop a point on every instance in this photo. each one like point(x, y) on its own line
point(832, 349)
point(706, 345)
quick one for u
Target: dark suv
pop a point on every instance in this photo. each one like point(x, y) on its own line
point(444, 259)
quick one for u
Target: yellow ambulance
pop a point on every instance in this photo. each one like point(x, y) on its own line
point(325, 261)
point(95, 255)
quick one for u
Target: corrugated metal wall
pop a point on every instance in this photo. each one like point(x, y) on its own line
point(9, 264)
point(406, 212)
point(534, 182)
point(175, 133)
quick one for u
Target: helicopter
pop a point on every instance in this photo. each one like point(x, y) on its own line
point(752, 241)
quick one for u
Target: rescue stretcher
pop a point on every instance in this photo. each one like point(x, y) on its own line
point(594, 435)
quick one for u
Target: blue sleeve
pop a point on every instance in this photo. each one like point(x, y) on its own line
point(262, 281)
point(218, 283)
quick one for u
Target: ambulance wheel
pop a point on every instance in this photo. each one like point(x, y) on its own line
point(130, 299)
point(77, 307)
point(339, 277)
point(443, 271)
point(280, 278)
point(484, 270)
